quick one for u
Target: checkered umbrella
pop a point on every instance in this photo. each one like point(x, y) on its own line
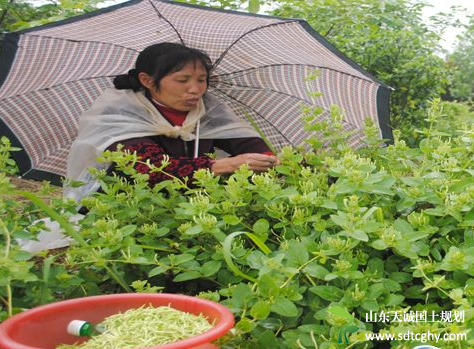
point(51, 74)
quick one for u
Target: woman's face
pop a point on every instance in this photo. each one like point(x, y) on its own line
point(180, 90)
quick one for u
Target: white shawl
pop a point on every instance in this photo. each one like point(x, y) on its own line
point(119, 115)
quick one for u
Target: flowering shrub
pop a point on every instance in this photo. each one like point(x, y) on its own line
point(380, 229)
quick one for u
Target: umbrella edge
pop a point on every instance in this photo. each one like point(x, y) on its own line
point(383, 113)
point(21, 157)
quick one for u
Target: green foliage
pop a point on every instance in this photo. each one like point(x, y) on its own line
point(14, 264)
point(7, 164)
point(461, 66)
point(23, 280)
point(377, 229)
point(19, 14)
point(388, 227)
point(244, 5)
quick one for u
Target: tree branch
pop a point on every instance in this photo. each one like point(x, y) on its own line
point(5, 12)
point(329, 31)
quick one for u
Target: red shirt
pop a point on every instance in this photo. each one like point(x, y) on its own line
point(175, 117)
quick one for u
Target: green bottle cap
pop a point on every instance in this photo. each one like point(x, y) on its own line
point(79, 328)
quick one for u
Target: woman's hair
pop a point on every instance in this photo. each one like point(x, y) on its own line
point(160, 60)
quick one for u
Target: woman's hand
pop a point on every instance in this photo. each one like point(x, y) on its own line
point(256, 162)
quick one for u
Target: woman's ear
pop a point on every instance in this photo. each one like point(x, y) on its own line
point(146, 80)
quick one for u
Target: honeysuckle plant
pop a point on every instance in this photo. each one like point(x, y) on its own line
point(381, 229)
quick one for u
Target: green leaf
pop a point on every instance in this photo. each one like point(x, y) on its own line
point(355, 275)
point(22, 256)
point(257, 241)
point(254, 6)
point(161, 232)
point(370, 305)
point(437, 211)
point(260, 310)
point(329, 204)
point(415, 236)
point(359, 235)
point(127, 230)
point(315, 270)
point(284, 170)
point(261, 227)
point(256, 259)
point(267, 286)
point(376, 266)
point(297, 254)
point(182, 258)
point(455, 214)
point(194, 230)
point(187, 275)
point(381, 189)
point(340, 219)
point(401, 277)
point(436, 254)
point(210, 268)
point(284, 307)
point(391, 285)
point(469, 237)
point(231, 219)
point(329, 293)
point(245, 325)
point(157, 271)
point(375, 291)
point(403, 226)
point(415, 292)
point(406, 249)
point(241, 295)
point(22, 234)
point(379, 245)
point(330, 277)
point(343, 186)
point(267, 340)
point(394, 300)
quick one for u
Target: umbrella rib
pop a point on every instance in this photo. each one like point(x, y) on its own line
point(265, 89)
point(250, 70)
point(167, 21)
point(246, 33)
point(74, 40)
point(278, 92)
point(248, 107)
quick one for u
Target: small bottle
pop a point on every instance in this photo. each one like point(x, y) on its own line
point(84, 328)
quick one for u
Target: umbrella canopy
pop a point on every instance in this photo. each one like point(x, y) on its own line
point(49, 75)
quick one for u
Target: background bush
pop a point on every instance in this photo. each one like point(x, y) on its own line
point(461, 67)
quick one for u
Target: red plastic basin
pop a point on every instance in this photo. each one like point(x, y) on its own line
point(44, 327)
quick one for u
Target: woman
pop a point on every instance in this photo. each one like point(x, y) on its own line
point(160, 109)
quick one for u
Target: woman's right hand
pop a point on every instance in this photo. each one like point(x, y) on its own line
point(255, 161)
